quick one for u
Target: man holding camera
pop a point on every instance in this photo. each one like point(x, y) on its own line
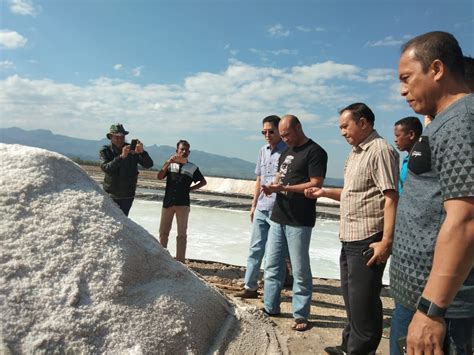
point(180, 174)
point(119, 161)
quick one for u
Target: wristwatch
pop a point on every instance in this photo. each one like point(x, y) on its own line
point(429, 308)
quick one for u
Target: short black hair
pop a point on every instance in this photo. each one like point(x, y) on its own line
point(469, 72)
point(183, 142)
point(411, 123)
point(359, 110)
point(273, 119)
point(437, 45)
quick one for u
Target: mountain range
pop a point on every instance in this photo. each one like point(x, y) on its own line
point(88, 151)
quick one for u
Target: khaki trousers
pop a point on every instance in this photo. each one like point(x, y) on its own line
point(182, 214)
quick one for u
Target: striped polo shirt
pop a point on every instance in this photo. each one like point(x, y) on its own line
point(370, 169)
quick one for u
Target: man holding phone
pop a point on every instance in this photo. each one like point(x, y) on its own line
point(368, 207)
point(119, 161)
point(180, 174)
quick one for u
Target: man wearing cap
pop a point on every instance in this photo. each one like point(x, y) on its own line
point(120, 165)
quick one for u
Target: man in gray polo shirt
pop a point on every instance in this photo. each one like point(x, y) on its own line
point(431, 274)
point(262, 205)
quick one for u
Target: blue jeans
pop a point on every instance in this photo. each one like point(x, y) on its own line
point(458, 331)
point(284, 240)
point(261, 225)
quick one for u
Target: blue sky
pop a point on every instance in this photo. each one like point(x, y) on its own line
point(209, 71)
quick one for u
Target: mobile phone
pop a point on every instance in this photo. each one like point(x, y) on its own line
point(133, 144)
point(402, 345)
point(368, 253)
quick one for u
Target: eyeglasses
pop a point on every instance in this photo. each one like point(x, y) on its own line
point(269, 131)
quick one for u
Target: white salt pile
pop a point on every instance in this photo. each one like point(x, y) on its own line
point(77, 276)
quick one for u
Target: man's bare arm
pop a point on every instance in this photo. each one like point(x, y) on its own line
point(314, 181)
point(256, 193)
point(315, 192)
point(200, 184)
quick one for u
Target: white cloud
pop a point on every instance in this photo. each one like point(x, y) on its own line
point(264, 54)
point(253, 138)
point(205, 100)
point(118, 66)
point(394, 100)
point(6, 65)
point(137, 71)
point(24, 7)
point(375, 75)
point(322, 72)
point(388, 41)
point(339, 141)
point(278, 31)
point(233, 52)
point(331, 121)
point(310, 29)
point(284, 52)
point(11, 39)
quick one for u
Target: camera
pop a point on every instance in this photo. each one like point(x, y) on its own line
point(133, 144)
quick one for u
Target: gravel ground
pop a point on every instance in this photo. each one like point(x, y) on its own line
point(327, 309)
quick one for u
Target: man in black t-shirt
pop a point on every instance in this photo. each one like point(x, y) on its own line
point(180, 174)
point(301, 166)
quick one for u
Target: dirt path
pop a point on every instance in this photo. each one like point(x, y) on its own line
point(327, 308)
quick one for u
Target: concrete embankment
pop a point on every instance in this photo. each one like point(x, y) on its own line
point(219, 192)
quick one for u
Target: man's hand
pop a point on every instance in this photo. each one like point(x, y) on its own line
point(269, 189)
point(175, 158)
point(314, 192)
point(382, 251)
point(252, 213)
point(125, 151)
point(426, 335)
point(139, 148)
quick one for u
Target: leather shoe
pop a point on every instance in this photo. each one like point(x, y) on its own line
point(335, 350)
point(246, 293)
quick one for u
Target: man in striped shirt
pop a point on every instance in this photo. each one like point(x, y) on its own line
point(368, 207)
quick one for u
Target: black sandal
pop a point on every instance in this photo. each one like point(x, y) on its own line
point(298, 322)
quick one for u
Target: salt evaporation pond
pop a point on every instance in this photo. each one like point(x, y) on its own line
point(223, 235)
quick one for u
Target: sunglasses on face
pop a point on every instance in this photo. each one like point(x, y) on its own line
point(269, 131)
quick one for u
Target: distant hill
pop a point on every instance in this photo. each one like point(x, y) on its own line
point(88, 150)
point(209, 164)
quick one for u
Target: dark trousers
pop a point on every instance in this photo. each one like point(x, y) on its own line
point(361, 286)
point(125, 204)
